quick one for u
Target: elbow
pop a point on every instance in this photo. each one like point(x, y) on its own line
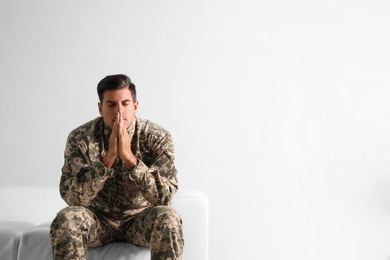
point(165, 197)
point(71, 198)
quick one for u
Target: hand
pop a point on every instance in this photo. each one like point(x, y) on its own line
point(113, 149)
point(124, 146)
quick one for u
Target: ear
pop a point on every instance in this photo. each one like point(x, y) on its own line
point(100, 108)
point(135, 106)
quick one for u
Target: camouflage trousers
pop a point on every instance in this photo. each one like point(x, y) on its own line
point(76, 228)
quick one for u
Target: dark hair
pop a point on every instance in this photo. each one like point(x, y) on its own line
point(116, 82)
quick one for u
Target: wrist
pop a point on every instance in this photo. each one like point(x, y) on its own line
point(130, 162)
point(108, 160)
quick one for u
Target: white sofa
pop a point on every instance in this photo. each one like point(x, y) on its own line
point(26, 214)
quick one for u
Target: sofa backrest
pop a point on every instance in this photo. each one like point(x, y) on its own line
point(30, 204)
point(38, 205)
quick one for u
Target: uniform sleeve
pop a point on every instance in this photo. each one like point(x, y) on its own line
point(82, 177)
point(157, 181)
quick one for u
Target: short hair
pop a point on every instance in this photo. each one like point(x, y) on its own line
point(116, 82)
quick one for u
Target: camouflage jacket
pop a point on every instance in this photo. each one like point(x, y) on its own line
point(118, 192)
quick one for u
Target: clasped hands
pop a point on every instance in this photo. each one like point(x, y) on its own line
point(119, 145)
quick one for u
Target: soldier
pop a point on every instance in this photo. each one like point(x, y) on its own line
point(118, 179)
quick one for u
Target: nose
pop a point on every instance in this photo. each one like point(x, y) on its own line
point(119, 108)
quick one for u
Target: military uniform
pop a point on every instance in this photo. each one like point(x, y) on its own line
point(108, 205)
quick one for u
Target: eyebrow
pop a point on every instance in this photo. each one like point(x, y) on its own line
point(112, 102)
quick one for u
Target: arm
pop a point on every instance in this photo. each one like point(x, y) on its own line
point(157, 182)
point(82, 178)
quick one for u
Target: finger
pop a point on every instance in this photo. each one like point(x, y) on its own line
point(115, 130)
point(119, 121)
point(115, 126)
point(122, 123)
point(115, 118)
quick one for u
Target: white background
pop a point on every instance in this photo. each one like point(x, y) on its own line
point(279, 109)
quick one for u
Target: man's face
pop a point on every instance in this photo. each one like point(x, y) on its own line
point(115, 101)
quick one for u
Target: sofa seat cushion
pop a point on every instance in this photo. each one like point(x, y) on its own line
point(119, 251)
point(35, 244)
point(10, 232)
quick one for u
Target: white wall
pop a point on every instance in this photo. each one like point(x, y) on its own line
point(279, 109)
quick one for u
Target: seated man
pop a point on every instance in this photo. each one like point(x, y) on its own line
point(118, 179)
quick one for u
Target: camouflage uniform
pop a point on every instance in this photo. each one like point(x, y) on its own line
point(108, 205)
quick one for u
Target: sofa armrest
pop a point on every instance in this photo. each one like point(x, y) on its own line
point(192, 205)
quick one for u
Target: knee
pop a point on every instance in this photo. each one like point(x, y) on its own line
point(167, 218)
point(167, 236)
point(71, 218)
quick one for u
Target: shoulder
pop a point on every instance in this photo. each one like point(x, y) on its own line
point(149, 128)
point(88, 130)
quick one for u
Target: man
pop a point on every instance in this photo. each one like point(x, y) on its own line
point(118, 179)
